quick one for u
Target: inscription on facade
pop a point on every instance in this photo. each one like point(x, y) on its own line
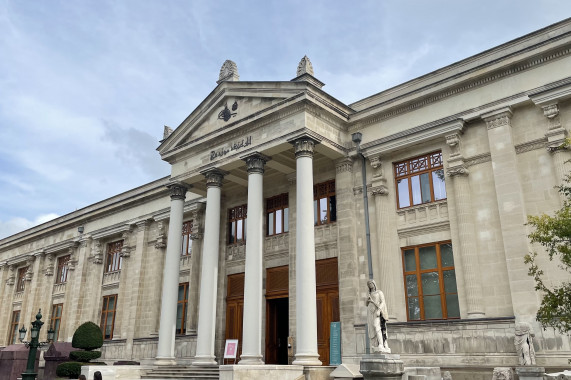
point(239, 144)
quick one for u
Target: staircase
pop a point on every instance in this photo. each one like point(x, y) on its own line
point(182, 372)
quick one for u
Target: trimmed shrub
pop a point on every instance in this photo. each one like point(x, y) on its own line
point(88, 336)
point(84, 356)
point(71, 370)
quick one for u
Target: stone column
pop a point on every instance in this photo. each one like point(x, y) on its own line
point(209, 274)
point(388, 256)
point(468, 248)
point(556, 135)
point(167, 329)
point(511, 209)
point(306, 311)
point(253, 294)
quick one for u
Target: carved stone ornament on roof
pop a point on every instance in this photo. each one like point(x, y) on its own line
point(167, 132)
point(305, 66)
point(228, 72)
point(49, 263)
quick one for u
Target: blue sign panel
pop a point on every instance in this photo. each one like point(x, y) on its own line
point(335, 344)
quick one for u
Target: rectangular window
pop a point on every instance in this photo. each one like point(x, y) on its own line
point(420, 180)
point(21, 284)
point(324, 205)
point(55, 321)
point(108, 316)
point(14, 334)
point(62, 269)
point(277, 215)
point(430, 282)
point(181, 308)
point(186, 249)
point(114, 259)
point(237, 224)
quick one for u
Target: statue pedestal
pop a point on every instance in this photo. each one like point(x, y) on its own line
point(382, 366)
point(530, 373)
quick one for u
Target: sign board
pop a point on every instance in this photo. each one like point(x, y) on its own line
point(231, 349)
point(335, 343)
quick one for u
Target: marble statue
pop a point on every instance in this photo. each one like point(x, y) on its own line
point(377, 317)
point(524, 343)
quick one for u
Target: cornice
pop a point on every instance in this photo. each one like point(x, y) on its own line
point(117, 229)
point(555, 95)
point(61, 246)
point(22, 258)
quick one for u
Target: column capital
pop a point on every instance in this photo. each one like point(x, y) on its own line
point(304, 145)
point(457, 170)
point(380, 190)
point(344, 165)
point(498, 118)
point(177, 190)
point(214, 177)
point(255, 162)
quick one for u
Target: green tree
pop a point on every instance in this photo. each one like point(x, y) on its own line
point(554, 234)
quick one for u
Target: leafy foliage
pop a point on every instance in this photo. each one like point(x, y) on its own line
point(88, 336)
point(553, 233)
point(84, 356)
point(71, 370)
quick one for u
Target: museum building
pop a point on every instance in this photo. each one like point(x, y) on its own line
point(260, 231)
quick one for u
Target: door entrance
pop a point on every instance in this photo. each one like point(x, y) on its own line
point(277, 312)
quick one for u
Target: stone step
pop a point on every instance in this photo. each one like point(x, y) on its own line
point(182, 372)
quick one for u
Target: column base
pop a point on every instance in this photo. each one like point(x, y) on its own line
point(530, 373)
point(204, 360)
point(164, 361)
point(251, 360)
point(306, 360)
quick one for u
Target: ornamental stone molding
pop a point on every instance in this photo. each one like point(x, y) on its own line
point(502, 373)
point(228, 72)
point(454, 142)
point(49, 263)
point(377, 165)
point(498, 118)
point(12, 277)
point(127, 246)
point(177, 190)
point(457, 170)
point(29, 271)
point(214, 177)
point(97, 252)
point(304, 67)
point(197, 217)
point(255, 162)
point(161, 236)
point(344, 165)
point(380, 190)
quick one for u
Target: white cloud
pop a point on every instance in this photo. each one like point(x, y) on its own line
point(15, 225)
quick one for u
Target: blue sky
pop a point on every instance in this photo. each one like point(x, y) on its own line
point(86, 86)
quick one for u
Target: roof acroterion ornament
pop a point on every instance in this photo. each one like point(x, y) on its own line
point(305, 73)
point(228, 72)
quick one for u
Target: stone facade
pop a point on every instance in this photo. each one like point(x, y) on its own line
point(497, 120)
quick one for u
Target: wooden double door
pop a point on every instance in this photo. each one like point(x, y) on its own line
point(277, 310)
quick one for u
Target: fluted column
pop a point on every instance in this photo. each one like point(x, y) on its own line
point(253, 295)
point(306, 311)
point(167, 329)
point(389, 274)
point(209, 274)
point(466, 228)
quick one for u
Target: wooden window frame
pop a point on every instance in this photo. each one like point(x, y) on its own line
point(274, 204)
point(113, 257)
point(55, 320)
point(412, 167)
point(14, 323)
point(181, 329)
point(186, 245)
point(324, 190)
point(21, 283)
point(440, 269)
point(235, 215)
point(62, 269)
point(105, 311)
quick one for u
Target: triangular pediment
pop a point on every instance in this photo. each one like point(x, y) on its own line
point(230, 104)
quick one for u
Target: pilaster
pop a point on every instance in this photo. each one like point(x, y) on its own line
point(6, 304)
point(76, 291)
point(468, 247)
point(511, 207)
point(197, 235)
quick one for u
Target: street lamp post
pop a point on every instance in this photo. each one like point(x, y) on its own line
point(29, 373)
